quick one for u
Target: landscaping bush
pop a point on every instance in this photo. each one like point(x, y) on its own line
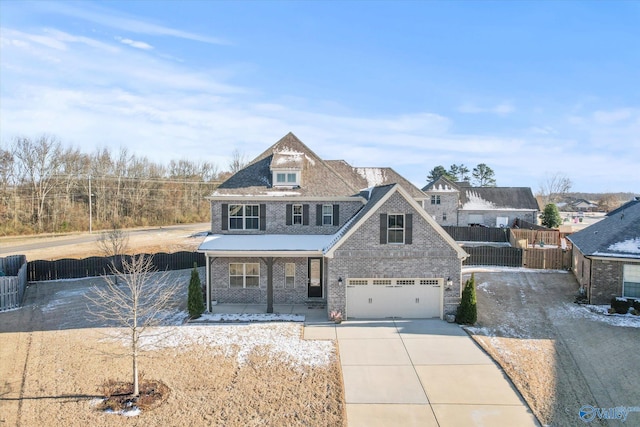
point(621, 306)
point(195, 302)
point(636, 305)
point(467, 310)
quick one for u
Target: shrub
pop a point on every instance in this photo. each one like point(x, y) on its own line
point(620, 305)
point(636, 305)
point(467, 310)
point(195, 302)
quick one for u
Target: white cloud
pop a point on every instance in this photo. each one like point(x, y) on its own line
point(613, 116)
point(108, 18)
point(94, 94)
point(504, 108)
point(136, 44)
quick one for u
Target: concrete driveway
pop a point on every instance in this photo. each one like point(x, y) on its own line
point(420, 373)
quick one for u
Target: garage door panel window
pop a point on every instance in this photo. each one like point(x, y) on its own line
point(244, 275)
point(631, 281)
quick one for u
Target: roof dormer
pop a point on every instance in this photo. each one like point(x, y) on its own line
point(286, 168)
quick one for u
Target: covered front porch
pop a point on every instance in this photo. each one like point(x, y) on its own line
point(265, 271)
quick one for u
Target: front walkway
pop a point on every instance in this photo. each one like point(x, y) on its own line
point(420, 373)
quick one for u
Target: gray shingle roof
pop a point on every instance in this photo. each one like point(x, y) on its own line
point(516, 198)
point(320, 178)
point(317, 179)
point(616, 235)
point(367, 177)
point(501, 197)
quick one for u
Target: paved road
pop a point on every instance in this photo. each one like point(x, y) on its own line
point(13, 245)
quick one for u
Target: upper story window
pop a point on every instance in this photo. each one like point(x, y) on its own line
point(395, 228)
point(290, 179)
point(327, 214)
point(297, 214)
point(435, 200)
point(244, 217)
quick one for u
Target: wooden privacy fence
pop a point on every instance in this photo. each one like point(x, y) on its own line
point(540, 258)
point(491, 255)
point(98, 266)
point(533, 237)
point(13, 281)
point(550, 259)
point(477, 234)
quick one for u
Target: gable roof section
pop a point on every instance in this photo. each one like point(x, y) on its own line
point(616, 236)
point(441, 184)
point(318, 179)
point(379, 195)
point(498, 198)
point(367, 177)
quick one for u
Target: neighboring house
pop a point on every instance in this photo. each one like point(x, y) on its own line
point(460, 204)
point(293, 228)
point(606, 255)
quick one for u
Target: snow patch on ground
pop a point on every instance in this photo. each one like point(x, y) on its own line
point(248, 317)
point(63, 297)
point(598, 313)
point(280, 340)
point(496, 269)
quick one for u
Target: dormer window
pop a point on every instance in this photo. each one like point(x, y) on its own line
point(288, 178)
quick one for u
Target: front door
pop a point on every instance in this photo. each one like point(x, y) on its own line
point(315, 278)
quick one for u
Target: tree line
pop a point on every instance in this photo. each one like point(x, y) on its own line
point(483, 175)
point(47, 187)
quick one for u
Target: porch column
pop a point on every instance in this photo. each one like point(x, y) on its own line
point(269, 261)
point(208, 281)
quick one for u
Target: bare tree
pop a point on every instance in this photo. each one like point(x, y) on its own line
point(39, 161)
point(137, 304)
point(238, 161)
point(113, 242)
point(554, 187)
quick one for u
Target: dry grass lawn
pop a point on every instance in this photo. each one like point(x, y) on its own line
point(53, 378)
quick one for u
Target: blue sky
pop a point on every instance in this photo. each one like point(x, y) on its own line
point(529, 88)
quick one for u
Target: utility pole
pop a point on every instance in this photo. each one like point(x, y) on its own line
point(90, 208)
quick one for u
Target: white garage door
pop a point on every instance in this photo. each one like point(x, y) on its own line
point(406, 298)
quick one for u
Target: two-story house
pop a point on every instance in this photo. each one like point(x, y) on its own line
point(291, 227)
point(460, 204)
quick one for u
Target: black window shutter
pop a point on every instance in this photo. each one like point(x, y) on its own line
point(289, 214)
point(305, 214)
point(383, 229)
point(408, 229)
point(336, 214)
point(225, 216)
point(263, 216)
point(318, 214)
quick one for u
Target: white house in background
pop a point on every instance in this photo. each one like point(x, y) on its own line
point(460, 204)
